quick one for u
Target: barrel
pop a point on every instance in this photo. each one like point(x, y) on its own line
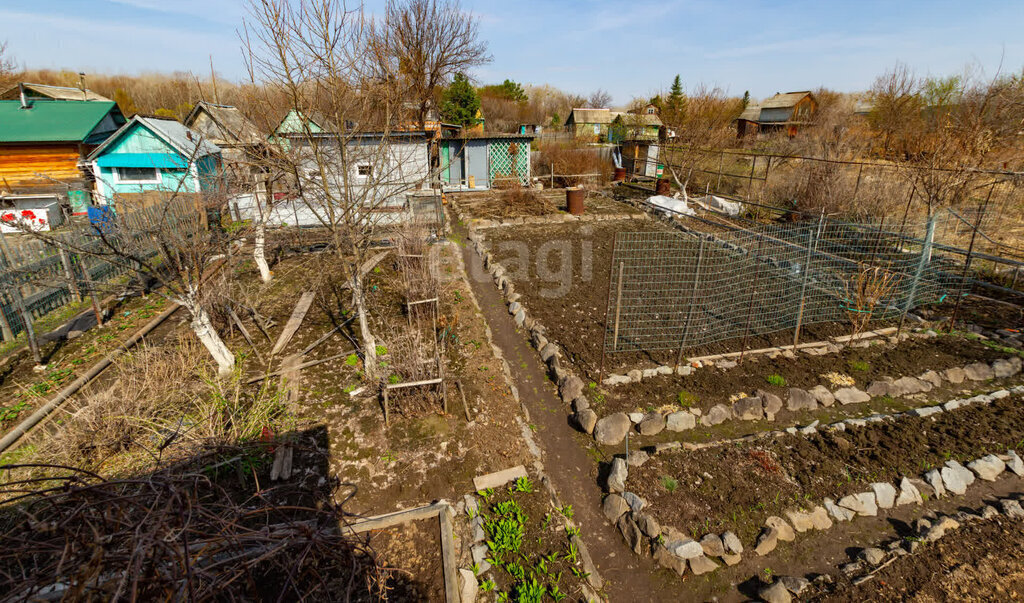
point(620, 174)
point(664, 187)
point(574, 200)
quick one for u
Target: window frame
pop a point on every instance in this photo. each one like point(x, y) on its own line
point(120, 180)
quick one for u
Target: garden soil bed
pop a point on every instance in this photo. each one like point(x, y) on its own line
point(493, 205)
point(572, 303)
point(979, 562)
point(410, 555)
point(738, 486)
point(709, 386)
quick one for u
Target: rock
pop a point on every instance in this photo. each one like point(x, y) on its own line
point(838, 513)
point(686, 548)
point(822, 395)
point(635, 417)
point(617, 380)
point(767, 540)
point(819, 519)
point(520, 317)
point(908, 493)
point(885, 494)
point(955, 375)
point(861, 504)
point(851, 395)
point(548, 351)
point(647, 524)
point(771, 403)
point(479, 554)
point(718, 414)
point(1003, 369)
point(712, 545)
point(794, 584)
point(617, 475)
point(652, 424)
point(571, 388)
point(680, 421)
point(934, 479)
point(649, 372)
point(580, 403)
point(881, 387)
point(635, 502)
point(854, 567)
point(999, 395)
point(979, 371)
point(963, 473)
point(906, 386)
point(939, 528)
point(684, 370)
point(468, 590)
point(801, 521)
point(667, 560)
point(872, 555)
point(586, 419)
point(635, 539)
point(637, 458)
point(988, 512)
point(732, 543)
point(1013, 463)
point(610, 430)
point(924, 411)
point(702, 565)
point(748, 409)
point(614, 507)
point(1011, 508)
point(730, 559)
point(635, 375)
point(775, 593)
point(785, 532)
point(931, 377)
point(800, 400)
point(987, 467)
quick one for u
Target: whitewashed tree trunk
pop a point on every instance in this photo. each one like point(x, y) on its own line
point(259, 252)
point(202, 326)
point(365, 334)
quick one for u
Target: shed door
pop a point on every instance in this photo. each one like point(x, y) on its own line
point(455, 162)
point(476, 162)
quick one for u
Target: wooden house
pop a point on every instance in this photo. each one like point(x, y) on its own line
point(44, 144)
point(590, 123)
point(154, 154)
point(47, 92)
point(241, 143)
point(786, 112)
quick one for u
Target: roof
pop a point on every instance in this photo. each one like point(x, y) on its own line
point(52, 92)
point(592, 116)
point(784, 100)
point(230, 120)
point(52, 121)
point(751, 113)
point(491, 136)
point(172, 132)
point(635, 119)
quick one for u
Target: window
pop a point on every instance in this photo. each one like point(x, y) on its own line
point(364, 170)
point(137, 175)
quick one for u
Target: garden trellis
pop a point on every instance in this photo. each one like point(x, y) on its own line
point(679, 290)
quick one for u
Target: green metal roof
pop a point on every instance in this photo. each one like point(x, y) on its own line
point(51, 121)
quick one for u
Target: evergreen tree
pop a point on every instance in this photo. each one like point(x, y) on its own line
point(460, 102)
point(675, 95)
point(746, 98)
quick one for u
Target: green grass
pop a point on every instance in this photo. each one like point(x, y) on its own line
point(669, 483)
point(859, 366)
point(776, 380)
point(686, 399)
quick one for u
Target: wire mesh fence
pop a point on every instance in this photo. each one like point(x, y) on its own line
point(678, 290)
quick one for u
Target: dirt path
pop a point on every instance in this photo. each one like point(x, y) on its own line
point(568, 456)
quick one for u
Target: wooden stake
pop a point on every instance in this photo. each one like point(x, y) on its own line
point(294, 322)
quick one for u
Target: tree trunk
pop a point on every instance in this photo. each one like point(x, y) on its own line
point(365, 334)
point(202, 326)
point(259, 252)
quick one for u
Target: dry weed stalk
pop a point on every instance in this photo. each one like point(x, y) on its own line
point(865, 290)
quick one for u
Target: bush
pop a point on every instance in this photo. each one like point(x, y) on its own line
point(776, 380)
point(571, 159)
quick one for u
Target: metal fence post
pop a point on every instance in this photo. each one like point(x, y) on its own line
point(811, 244)
point(693, 301)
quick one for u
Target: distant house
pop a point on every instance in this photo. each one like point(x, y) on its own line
point(482, 162)
point(154, 154)
point(783, 112)
point(44, 91)
point(633, 126)
point(43, 144)
point(590, 123)
point(534, 129)
point(241, 143)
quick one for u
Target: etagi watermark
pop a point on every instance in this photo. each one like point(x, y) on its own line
point(555, 265)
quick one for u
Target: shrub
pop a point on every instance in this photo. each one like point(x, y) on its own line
point(859, 366)
point(686, 399)
point(669, 483)
point(571, 158)
point(776, 380)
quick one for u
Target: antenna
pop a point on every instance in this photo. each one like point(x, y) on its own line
point(213, 76)
point(81, 84)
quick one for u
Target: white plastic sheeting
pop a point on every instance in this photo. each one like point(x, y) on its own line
point(677, 206)
point(730, 208)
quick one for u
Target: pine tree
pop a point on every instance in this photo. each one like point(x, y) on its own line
point(460, 102)
point(746, 98)
point(676, 99)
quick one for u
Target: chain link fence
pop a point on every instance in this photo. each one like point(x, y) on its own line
point(678, 290)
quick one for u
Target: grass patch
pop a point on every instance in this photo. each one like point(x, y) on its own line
point(776, 380)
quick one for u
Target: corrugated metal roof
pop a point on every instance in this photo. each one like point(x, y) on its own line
point(231, 120)
point(784, 100)
point(173, 132)
point(53, 92)
point(51, 121)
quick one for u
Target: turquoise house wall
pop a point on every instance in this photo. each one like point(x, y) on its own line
point(140, 139)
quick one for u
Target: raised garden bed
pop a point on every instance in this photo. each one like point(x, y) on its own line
point(493, 205)
point(410, 556)
point(738, 486)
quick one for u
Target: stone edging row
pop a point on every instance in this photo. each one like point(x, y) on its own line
point(674, 550)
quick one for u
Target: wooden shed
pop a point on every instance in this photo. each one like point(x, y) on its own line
point(241, 143)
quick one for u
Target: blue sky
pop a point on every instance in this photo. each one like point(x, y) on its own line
point(628, 48)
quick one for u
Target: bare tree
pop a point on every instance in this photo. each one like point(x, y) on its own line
point(8, 67)
point(351, 163)
point(599, 99)
point(421, 44)
point(706, 123)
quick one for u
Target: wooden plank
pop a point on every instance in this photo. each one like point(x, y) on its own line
point(413, 384)
point(451, 582)
point(245, 333)
point(294, 322)
point(393, 519)
point(296, 368)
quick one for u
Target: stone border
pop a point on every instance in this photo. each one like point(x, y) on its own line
point(674, 550)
